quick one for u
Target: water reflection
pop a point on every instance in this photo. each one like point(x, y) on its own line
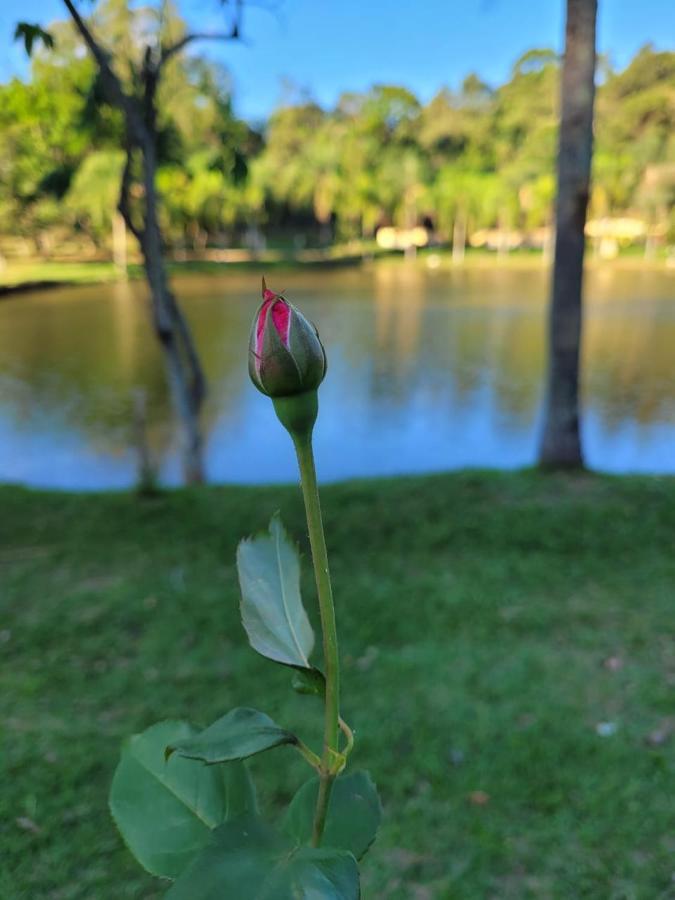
point(427, 370)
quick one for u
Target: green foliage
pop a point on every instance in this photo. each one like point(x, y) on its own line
point(635, 138)
point(353, 816)
point(310, 682)
point(237, 735)
point(241, 793)
point(481, 156)
point(94, 192)
point(29, 34)
point(181, 801)
point(51, 126)
point(271, 607)
point(42, 140)
point(249, 859)
point(166, 810)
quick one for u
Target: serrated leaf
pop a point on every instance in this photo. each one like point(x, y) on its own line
point(354, 813)
point(231, 864)
point(241, 793)
point(241, 733)
point(248, 859)
point(165, 810)
point(271, 606)
point(311, 873)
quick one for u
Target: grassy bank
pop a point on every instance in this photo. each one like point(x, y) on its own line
point(37, 274)
point(508, 668)
point(29, 274)
point(25, 275)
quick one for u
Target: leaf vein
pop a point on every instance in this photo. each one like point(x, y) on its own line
point(283, 598)
point(168, 786)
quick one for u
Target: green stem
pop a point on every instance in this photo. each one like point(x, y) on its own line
point(309, 755)
point(322, 802)
point(310, 492)
point(349, 734)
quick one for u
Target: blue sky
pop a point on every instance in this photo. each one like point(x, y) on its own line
point(327, 46)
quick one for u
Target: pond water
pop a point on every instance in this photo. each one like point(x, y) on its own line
point(428, 370)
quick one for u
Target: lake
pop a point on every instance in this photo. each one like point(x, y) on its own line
point(429, 369)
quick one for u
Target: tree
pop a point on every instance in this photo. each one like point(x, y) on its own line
point(561, 440)
point(93, 192)
point(41, 142)
point(139, 109)
point(472, 158)
point(463, 198)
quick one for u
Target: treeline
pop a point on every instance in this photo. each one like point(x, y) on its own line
point(481, 157)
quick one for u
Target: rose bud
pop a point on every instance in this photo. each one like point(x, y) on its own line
point(286, 356)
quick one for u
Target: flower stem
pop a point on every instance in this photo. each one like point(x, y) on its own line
point(310, 492)
point(322, 802)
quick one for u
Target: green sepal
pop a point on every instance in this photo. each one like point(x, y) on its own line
point(306, 349)
point(280, 374)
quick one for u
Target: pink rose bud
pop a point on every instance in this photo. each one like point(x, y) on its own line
point(285, 356)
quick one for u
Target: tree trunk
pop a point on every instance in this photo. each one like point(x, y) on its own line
point(649, 247)
point(561, 442)
point(185, 376)
point(549, 241)
point(459, 237)
point(502, 236)
point(119, 241)
point(146, 478)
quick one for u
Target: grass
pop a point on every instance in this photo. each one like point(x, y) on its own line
point(29, 274)
point(36, 275)
point(37, 272)
point(508, 667)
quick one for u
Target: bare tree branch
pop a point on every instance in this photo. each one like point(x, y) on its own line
point(150, 74)
point(234, 34)
point(173, 49)
point(109, 80)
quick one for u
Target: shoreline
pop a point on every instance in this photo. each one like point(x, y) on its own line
point(575, 481)
point(40, 276)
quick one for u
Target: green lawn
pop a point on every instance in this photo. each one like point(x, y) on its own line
point(509, 665)
point(38, 273)
point(17, 274)
point(28, 273)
